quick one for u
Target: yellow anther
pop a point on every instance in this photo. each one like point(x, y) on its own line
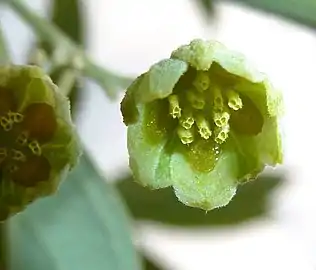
point(15, 117)
point(218, 101)
point(174, 107)
point(221, 134)
point(196, 99)
point(17, 155)
point(22, 138)
point(203, 127)
point(201, 81)
point(6, 123)
point(186, 135)
point(221, 118)
point(234, 100)
point(35, 148)
point(186, 120)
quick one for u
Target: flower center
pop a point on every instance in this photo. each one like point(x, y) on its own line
point(21, 135)
point(203, 107)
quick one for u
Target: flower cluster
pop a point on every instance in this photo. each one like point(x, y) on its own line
point(202, 121)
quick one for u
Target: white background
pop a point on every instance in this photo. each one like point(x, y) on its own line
point(128, 36)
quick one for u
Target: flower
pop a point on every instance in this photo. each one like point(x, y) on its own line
point(38, 145)
point(202, 121)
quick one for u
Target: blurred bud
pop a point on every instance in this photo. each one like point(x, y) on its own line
point(38, 143)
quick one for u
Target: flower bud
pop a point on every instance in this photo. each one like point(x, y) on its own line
point(38, 143)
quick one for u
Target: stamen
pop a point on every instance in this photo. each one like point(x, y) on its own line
point(203, 127)
point(187, 120)
point(174, 107)
point(35, 148)
point(196, 99)
point(221, 118)
point(17, 155)
point(22, 138)
point(15, 117)
point(234, 100)
point(218, 101)
point(201, 81)
point(6, 123)
point(221, 134)
point(186, 135)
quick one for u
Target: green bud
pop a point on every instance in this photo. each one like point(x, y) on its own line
point(37, 137)
point(202, 122)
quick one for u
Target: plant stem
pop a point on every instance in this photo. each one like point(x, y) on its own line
point(4, 54)
point(68, 52)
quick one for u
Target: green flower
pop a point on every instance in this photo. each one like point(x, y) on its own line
point(202, 122)
point(38, 144)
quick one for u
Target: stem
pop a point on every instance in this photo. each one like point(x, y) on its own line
point(4, 54)
point(67, 50)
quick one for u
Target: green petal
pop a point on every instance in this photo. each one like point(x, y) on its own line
point(148, 146)
point(255, 152)
point(205, 189)
point(128, 105)
point(160, 80)
point(199, 53)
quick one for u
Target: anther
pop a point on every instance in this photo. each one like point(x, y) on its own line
point(221, 118)
point(196, 99)
point(186, 135)
point(17, 155)
point(203, 127)
point(22, 138)
point(218, 101)
point(35, 148)
point(6, 123)
point(201, 81)
point(174, 107)
point(15, 117)
point(234, 100)
point(186, 120)
point(221, 134)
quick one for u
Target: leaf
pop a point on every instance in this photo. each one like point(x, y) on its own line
point(83, 226)
point(302, 11)
point(250, 202)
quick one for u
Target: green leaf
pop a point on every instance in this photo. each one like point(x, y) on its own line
point(302, 11)
point(83, 226)
point(250, 202)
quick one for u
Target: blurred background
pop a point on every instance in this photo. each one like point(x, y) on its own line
point(271, 222)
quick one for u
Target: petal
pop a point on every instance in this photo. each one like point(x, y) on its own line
point(256, 152)
point(205, 189)
point(148, 146)
point(160, 80)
